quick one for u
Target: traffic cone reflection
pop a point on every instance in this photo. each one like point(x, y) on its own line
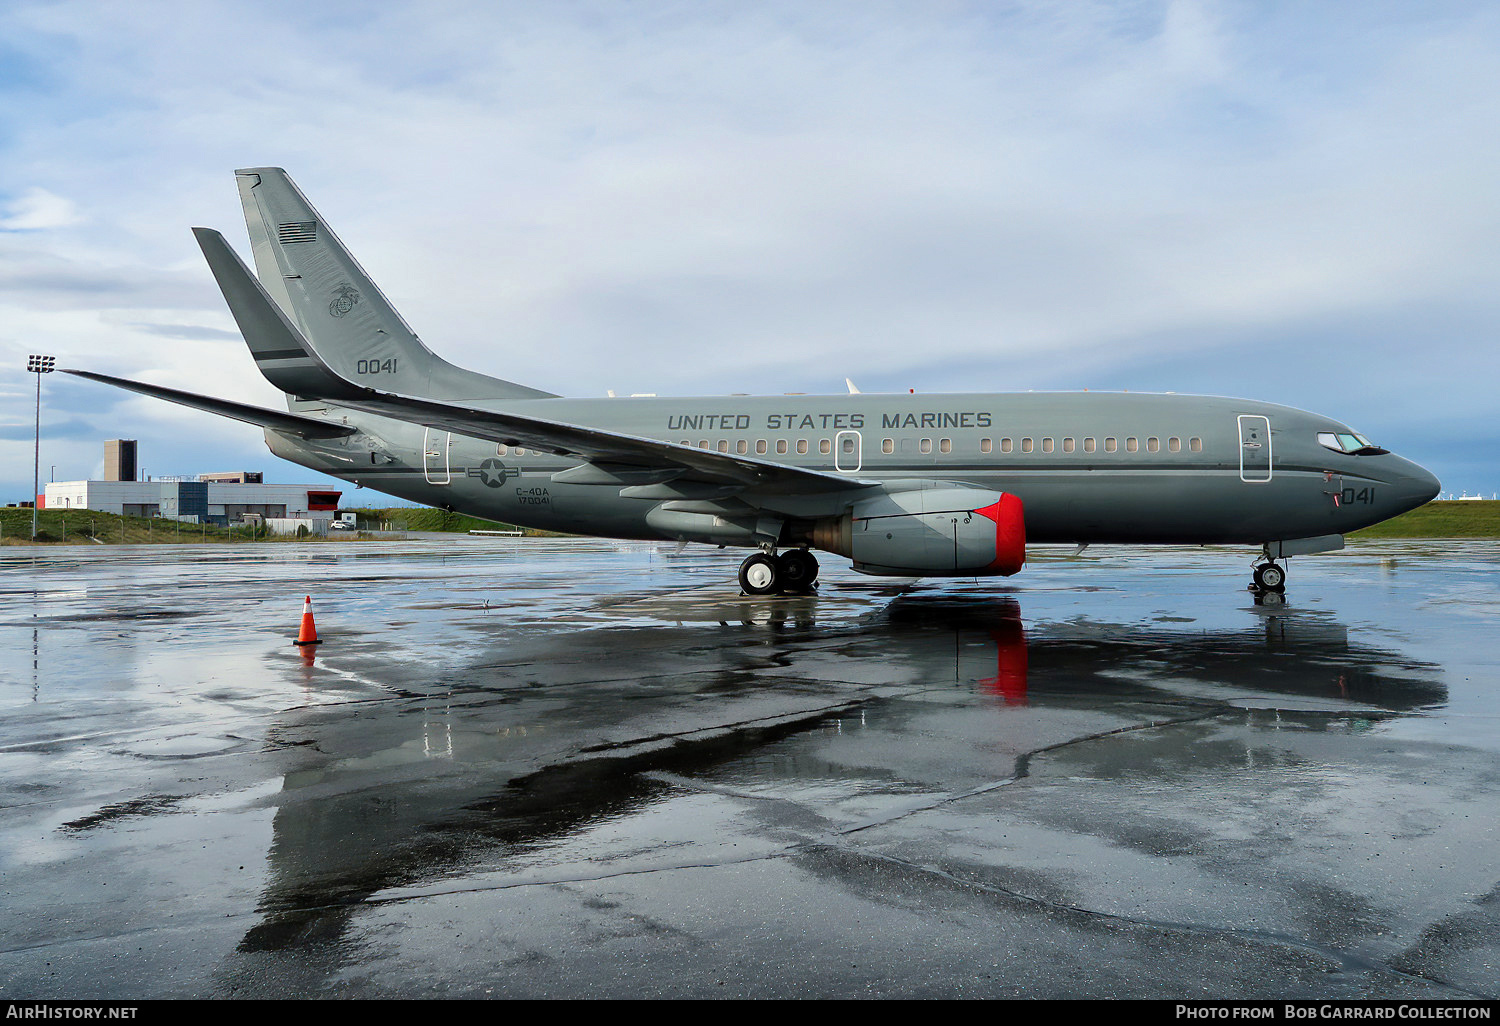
point(308, 634)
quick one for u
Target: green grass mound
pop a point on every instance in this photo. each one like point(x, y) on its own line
point(1451, 518)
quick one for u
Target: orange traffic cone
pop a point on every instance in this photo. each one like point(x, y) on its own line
point(308, 635)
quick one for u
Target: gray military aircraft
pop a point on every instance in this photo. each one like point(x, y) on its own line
point(902, 485)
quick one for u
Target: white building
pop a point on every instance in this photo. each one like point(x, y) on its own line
point(214, 501)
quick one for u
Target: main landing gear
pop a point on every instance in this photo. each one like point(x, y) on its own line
point(794, 572)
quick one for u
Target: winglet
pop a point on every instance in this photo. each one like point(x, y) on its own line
point(281, 353)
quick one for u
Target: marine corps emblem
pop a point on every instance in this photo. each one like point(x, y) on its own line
point(344, 298)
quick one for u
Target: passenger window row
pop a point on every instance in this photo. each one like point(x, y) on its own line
point(762, 447)
point(1151, 443)
point(944, 445)
point(742, 447)
point(1068, 445)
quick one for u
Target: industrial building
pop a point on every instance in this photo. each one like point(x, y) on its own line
point(214, 501)
point(119, 459)
point(220, 498)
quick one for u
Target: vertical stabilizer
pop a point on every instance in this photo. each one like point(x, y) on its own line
point(341, 313)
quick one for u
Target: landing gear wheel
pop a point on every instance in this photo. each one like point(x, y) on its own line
point(1270, 577)
point(758, 575)
point(798, 570)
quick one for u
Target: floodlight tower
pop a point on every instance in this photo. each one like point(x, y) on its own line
point(38, 365)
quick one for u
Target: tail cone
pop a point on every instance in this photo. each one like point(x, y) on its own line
point(308, 635)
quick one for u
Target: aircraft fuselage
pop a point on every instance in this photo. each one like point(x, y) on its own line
point(1091, 467)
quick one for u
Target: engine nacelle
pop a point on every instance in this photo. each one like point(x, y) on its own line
point(708, 528)
point(954, 531)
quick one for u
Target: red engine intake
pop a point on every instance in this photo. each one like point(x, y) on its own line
point(951, 530)
point(1010, 534)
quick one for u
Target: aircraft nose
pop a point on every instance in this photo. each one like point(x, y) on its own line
point(1430, 485)
point(1416, 485)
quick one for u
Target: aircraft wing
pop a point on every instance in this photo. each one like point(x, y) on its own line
point(290, 423)
point(595, 445)
point(289, 361)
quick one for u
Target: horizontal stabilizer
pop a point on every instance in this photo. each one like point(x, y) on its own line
point(287, 423)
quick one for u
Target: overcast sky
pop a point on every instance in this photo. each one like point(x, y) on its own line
point(1292, 202)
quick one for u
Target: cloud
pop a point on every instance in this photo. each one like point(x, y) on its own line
point(73, 428)
point(36, 209)
point(190, 332)
point(729, 198)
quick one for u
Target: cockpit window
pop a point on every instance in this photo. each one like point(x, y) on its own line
point(1349, 442)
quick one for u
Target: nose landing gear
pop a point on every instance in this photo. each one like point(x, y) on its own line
point(794, 572)
point(1269, 576)
point(1268, 583)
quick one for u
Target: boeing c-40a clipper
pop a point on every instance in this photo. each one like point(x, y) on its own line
point(902, 485)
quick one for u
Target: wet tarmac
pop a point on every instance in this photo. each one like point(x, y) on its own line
point(575, 768)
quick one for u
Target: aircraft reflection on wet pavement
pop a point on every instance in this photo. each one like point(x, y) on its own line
point(495, 776)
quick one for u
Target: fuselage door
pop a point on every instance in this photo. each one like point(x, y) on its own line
point(435, 446)
point(1255, 449)
point(848, 452)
